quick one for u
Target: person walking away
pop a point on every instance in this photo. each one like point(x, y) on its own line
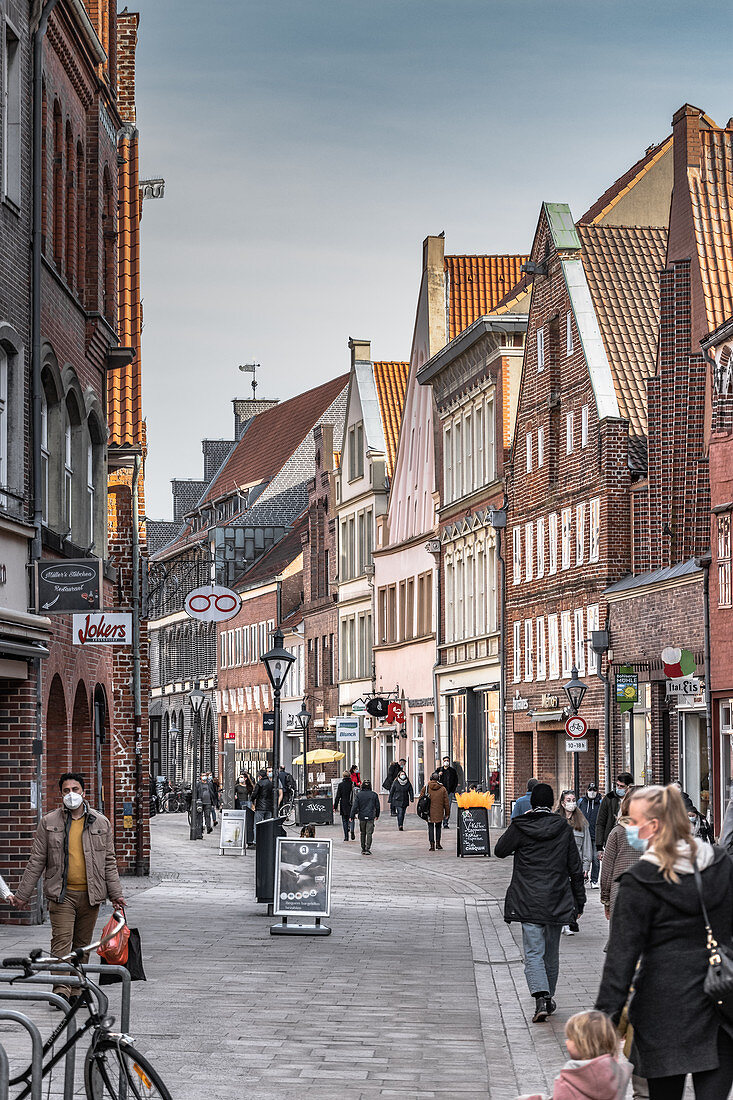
point(263, 797)
point(523, 803)
point(74, 851)
point(448, 776)
point(567, 807)
point(342, 802)
point(401, 795)
point(439, 810)
point(593, 1070)
point(609, 810)
point(589, 806)
point(365, 806)
point(618, 857)
point(203, 795)
point(286, 786)
point(546, 891)
point(214, 789)
point(658, 919)
point(393, 771)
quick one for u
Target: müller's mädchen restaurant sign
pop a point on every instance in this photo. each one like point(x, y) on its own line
point(104, 628)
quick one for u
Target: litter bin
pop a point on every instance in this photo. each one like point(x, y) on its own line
point(265, 834)
point(314, 810)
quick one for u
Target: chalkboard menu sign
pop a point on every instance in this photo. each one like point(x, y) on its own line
point(472, 835)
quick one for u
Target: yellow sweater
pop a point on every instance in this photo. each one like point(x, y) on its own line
point(77, 879)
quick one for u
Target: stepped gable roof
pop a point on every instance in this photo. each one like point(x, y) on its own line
point(476, 285)
point(271, 564)
point(271, 438)
point(622, 266)
point(624, 183)
point(390, 379)
point(711, 192)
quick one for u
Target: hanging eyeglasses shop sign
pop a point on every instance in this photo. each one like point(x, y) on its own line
point(212, 604)
point(103, 628)
point(69, 585)
point(302, 886)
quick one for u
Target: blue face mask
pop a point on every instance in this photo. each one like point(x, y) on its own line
point(621, 791)
point(638, 843)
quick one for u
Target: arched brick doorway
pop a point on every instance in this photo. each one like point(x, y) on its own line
point(102, 753)
point(82, 741)
point(57, 749)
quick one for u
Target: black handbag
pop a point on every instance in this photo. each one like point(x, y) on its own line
point(423, 807)
point(718, 985)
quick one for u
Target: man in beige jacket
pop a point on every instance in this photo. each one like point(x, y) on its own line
point(74, 849)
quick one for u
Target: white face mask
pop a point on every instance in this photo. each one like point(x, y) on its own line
point(72, 800)
point(570, 806)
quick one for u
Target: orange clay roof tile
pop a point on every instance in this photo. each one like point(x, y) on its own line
point(711, 192)
point(391, 381)
point(476, 284)
point(622, 265)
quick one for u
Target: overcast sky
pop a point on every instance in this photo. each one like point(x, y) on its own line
point(308, 147)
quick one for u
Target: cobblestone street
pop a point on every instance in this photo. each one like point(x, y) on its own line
point(419, 990)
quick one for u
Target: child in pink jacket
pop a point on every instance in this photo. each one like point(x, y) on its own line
point(593, 1072)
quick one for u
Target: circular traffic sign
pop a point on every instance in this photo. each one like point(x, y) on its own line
point(576, 726)
point(212, 603)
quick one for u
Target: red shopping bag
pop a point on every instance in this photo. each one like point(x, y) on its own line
point(115, 950)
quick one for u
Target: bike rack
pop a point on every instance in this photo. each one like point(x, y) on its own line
point(4, 1074)
point(37, 1048)
point(52, 998)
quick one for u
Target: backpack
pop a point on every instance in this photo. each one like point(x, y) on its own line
point(423, 806)
point(289, 782)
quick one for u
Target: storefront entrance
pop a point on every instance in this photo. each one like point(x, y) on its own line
point(694, 762)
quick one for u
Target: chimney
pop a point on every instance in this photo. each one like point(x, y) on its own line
point(686, 131)
point(361, 351)
point(433, 252)
point(246, 408)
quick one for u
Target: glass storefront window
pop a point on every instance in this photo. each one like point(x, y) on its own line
point(638, 748)
point(726, 749)
point(490, 732)
point(695, 776)
point(457, 734)
point(418, 754)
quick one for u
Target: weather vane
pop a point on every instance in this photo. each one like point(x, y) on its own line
point(251, 368)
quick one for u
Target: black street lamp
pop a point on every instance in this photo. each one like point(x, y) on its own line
point(277, 662)
point(303, 719)
point(575, 690)
point(195, 698)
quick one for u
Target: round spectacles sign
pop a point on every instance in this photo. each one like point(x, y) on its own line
point(212, 603)
point(576, 727)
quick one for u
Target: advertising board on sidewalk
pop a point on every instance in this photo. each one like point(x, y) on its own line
point(302, 877)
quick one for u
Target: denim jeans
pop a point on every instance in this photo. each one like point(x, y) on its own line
point(541, 944)
point(367, 832)
point(347, 825)
point(262, 815)
point(401, 815)
point(434, 831)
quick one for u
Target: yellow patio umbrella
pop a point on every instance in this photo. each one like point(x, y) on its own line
point(321, 756)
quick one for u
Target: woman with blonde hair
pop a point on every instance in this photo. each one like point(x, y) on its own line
point(567, 807)
point(593, 1069)
point(658, 923)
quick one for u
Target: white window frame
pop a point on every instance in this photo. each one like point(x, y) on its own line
point(569, 432)
point(552, 543)
point(580, 533)
point(528, 443)
point(594, 547)
point(553, 647)
point(45, 457)
point(725, 589)
point(540, 350)
point(517, 651)
point(566, 642)
point(569, 344)
point(566, 536)
point(11, 108)
point(448, 463)
point(528, 550)
point(223, 649)
point(593, 620)
point(540, 547)
point(90, 490)
point(584, 427)
point(579, 618)
point(540, 447)
point(528, 654)
point(517, 555)
point(540, 639)
point(68, 473)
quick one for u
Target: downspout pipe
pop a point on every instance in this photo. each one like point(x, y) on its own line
point(704, 563)
point(136, 684)
point(36, 243)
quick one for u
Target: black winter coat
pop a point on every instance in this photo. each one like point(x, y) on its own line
point(392, 772)
point(365, 805)
point(547, 877)
point(401, 794)
point(263, 795)
point(607, 817)
point(344, 795)
point(449, 778)
point(661, 924)
point(590, 810)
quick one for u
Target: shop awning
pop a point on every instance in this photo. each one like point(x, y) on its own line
point(547, 715)
point(25, 648)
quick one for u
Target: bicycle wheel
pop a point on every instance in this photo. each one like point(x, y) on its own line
point(109, 1060)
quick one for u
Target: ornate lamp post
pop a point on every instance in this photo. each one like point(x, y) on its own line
point(303, 719)
point(195, 698)
point(575, 690)
point(277, 662)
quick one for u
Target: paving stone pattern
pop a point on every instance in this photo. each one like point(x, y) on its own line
point(419, 991)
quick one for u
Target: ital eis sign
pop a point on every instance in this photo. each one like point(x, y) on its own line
point(103, 628)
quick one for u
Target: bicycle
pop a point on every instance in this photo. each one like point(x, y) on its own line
point(111, 1058)
point(286, 810)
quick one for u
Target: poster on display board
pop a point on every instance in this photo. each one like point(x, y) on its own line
point(302, 877)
